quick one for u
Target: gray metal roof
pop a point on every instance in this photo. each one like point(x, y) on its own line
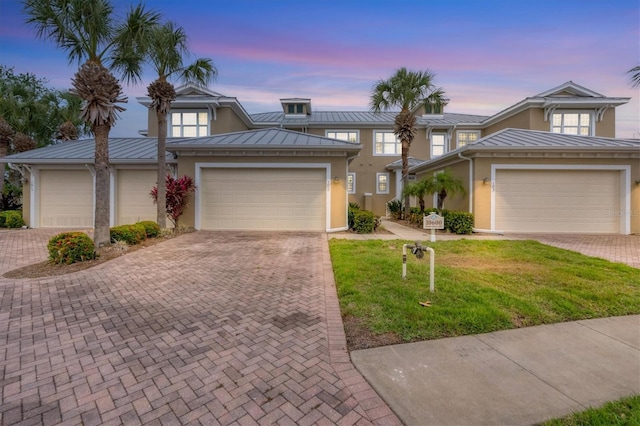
point(262, 139)
point(355, 118)
point(121, 150)
point(398, 163)
point(520, 138)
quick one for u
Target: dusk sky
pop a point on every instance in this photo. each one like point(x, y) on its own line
point(487, 55)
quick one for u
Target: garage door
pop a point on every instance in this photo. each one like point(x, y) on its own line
point(263, 199)
point(133, 201)
point(557, 201)
point(66, 199)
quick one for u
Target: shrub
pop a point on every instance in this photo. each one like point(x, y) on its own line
point(131, 234)
point(150, 227)
point(11, 219)
point(396, 207)
point(364, 222)
point(351, 211)
point(70, 247)
point(458, 222)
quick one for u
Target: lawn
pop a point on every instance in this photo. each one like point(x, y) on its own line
point(623, 412)
point(480, 286)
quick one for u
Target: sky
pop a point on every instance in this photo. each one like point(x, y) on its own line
point(486, 55)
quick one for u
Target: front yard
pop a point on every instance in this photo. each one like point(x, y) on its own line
point(480, 286)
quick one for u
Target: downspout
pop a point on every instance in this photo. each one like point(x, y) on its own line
point(470, 180)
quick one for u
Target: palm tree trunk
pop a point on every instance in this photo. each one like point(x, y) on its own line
point(405, 177)
point(161, 200)
point(101, 235)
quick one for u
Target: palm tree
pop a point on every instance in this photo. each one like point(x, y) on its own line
point(445, 183)
point(90, 34)
point(406, 90)
point(419, 189)
point(635, 76)
point(167, 47)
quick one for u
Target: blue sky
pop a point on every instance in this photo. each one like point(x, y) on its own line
point(487, 55)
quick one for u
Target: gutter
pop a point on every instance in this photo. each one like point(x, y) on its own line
point(470, 180)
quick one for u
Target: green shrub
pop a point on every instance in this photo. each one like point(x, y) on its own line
point(11, 219)
point(395, 207)
point(458, 222)
point(131, 234)
point(351, 211)
point(364, 222)
point(150, 227)
point(70, 247)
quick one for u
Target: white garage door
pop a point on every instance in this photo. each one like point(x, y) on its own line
point(66, 199)
point(263, 199)
point(133, 201)
point(585, 201)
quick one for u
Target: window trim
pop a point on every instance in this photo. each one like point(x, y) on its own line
point(477, 132)
point(445, 144)
point(378, 175)
point(357, 132)
point(353, 185)
point(398, 143)
point(592, 122)
point(183, 111)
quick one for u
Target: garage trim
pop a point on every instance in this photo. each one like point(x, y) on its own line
point(625, 186)
point(325, 166)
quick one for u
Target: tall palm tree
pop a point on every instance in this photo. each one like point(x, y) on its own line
point(90, 34)
point(167, 48)
point(406, 90)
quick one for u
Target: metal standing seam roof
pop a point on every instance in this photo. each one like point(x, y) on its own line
point(121, 150)
point(262, 139)
point(528, 139)
point(338, 118)
point(398, 163)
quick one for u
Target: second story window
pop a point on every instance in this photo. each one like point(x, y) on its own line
point(438, 144)
point(386, 143)
point(188, 124)
point(343, 135)
point(295, 109)
point(465, 137)
point(572, 123)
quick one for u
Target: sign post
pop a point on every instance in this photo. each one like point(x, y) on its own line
point(433, 221)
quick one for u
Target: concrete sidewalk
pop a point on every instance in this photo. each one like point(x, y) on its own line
point(515, 377)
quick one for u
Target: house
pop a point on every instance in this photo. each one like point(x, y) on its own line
point(548, 163)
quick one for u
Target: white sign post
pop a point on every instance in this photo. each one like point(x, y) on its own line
point(433, 221)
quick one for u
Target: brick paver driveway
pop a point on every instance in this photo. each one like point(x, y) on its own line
point(206, 328)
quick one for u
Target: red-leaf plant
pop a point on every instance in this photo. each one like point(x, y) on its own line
point(178, 192)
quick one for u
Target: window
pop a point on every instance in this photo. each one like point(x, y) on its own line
point(343, 135)
point(382, 183)
point(465, 137)
point(572, 123)
point(295, 109)
point(189, 124)
point(438, 144)
point(386, 143)
point(433, 109)
point(351, 183)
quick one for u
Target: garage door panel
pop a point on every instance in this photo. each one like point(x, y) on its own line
point(263, 199)
point(66, 199)
point(133, 201)
point(557, 200)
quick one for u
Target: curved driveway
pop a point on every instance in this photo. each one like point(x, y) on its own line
point(206, 328)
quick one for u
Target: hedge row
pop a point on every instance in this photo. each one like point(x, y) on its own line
point(11, 219)
point(456, 222)
point(362, 221)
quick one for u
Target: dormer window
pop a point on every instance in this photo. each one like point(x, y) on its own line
point(572, 123)
point(296, 106)
point(295, 109)
point(433, 109)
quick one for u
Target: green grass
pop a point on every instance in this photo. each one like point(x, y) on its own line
point(618, 413)
point(480, 286)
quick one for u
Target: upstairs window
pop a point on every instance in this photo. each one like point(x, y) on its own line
point(188, 124)
point(386, 143)
point(295, 109)
point(572, 123)
point(438, 144)
point(433, 109)
point(343, 135)
point(465, 137)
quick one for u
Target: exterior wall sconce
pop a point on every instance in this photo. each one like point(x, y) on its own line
point(335, 179)
point(637, 181)
point(485, 180)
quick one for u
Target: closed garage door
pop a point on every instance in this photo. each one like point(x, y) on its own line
point(583, 201)
point(133, 201)
point(263, 199)
point(66, 199)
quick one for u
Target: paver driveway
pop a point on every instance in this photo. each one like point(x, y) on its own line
point(209, 327)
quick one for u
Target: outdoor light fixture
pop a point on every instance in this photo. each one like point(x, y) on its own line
point(637, 181)
point(335, 179)
point(485, 180)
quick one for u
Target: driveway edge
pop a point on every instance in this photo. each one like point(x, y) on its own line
point(375, 409)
